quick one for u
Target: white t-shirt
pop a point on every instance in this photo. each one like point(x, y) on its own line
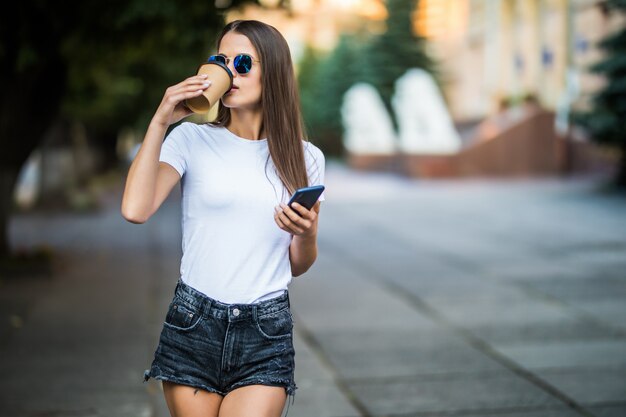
point(233, 250)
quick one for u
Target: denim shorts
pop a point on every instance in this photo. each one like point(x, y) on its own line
point(218, 347)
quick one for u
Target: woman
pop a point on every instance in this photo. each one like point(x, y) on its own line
point(226, 347)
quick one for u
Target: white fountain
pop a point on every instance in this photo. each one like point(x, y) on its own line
point(368, 127)
point(424, 123)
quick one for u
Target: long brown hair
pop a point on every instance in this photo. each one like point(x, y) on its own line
point(280, 101)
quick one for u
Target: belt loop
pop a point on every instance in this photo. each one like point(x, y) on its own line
point(207, 307)
point(288, 301)
point(254, 313)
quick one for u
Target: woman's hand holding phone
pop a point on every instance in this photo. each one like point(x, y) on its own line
point(299, 216)
point(298, 220)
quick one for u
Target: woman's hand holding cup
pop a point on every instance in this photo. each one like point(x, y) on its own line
point(172, 108)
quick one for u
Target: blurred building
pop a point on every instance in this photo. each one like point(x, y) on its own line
point(488, 49)
point(318, 23)
point(509, 48)
point(511, 71)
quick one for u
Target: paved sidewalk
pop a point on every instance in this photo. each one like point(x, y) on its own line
point(429, 298)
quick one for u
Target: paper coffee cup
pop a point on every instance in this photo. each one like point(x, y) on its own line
point(221, 82)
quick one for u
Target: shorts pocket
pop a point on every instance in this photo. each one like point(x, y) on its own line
point(276, 325)
point(181, 315)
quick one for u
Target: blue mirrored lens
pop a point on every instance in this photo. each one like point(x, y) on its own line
point(243, 64)
point(217, 58)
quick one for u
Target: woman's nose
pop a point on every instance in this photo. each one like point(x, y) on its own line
point(231, 67)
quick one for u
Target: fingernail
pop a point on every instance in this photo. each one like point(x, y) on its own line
point(204, 75)
point(205, 84)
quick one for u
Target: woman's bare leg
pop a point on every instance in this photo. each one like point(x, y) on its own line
point(187, 401)
point(254, 401)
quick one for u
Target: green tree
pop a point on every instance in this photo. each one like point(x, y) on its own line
point(308, 69)
point(324, 78)
point(379, 60)
point(104, 64)
point(397, 50)
point(606, 120)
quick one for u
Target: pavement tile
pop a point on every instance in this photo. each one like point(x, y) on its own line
point(505, 311)
point(592, 287)
point(534, 269)
point(611, 311)
point(616, 410)
point(511, 412)
point(571, 328)
point(602, 256)
point(589, 386)
point(500, 390)
point(394, 353)
point(17, 298)
point(454, 287)
point(353, 303)
point(317, 394)
point(568, 354)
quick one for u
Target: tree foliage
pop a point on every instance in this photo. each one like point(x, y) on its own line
point(397, 50)
point(377, 59)
point(324, 78)
point(119, 65)
point(606, 120)
point(103, 64)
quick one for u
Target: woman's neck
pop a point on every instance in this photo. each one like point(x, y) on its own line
point(246, 124)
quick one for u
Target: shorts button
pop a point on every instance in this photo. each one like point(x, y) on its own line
point(236, 312)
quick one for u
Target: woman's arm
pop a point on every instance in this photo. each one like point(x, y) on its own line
point(303, 227)
point(149, 181)
point(141, 182)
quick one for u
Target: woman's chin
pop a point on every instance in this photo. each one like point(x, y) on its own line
point(232, 103)
point(228, 102)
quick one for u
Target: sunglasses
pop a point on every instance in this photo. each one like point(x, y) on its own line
point(242, 62)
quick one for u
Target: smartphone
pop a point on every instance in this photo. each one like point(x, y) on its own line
point(306, 196)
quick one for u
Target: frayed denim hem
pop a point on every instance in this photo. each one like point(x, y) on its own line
point(160, 375)
point(291, 392)
point(290, 387)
